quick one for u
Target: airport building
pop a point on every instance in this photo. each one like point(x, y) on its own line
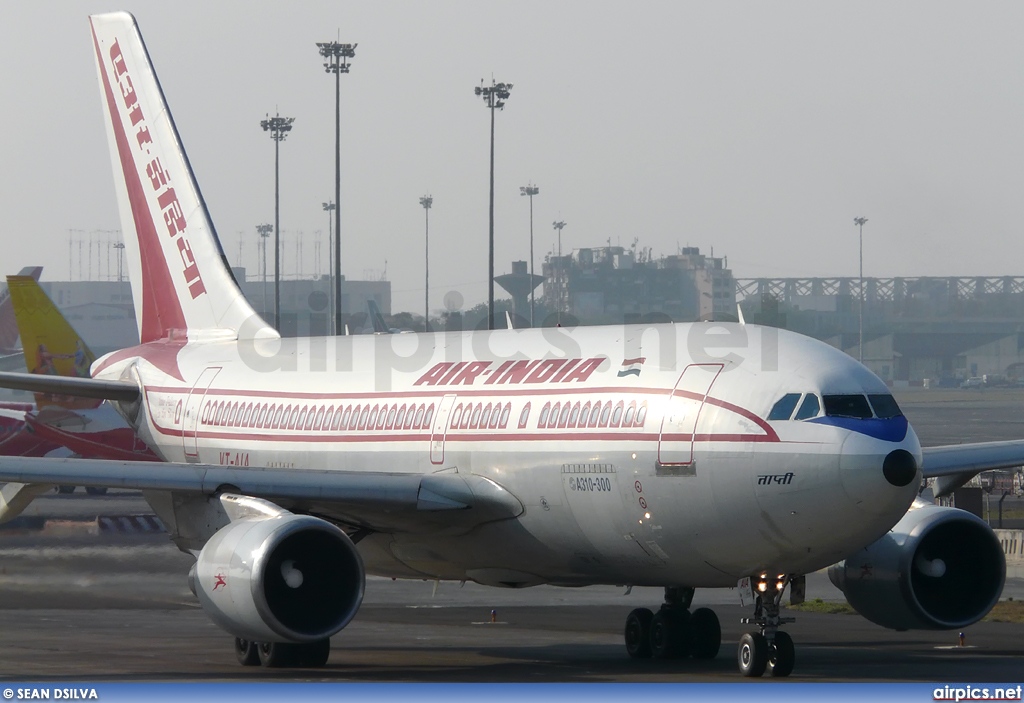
point(934, 330)
point(103, 313)
point(613, 284)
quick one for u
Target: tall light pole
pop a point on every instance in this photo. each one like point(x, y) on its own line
point(530, 190)
point(559, 224)
point(337, 56)
point(120, 251)
point(278, 127)
point(859, 221)
point(494, 97)
point(264, 233)
point(426, 201)
point(329, 208)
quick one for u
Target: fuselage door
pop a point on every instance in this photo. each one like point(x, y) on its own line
point(440, 428)
point(679, 422)
point(193, 407)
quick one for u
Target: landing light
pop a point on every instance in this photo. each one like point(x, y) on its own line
point(762, 586)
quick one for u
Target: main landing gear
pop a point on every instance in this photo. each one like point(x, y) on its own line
point(282, 655)
point(770, 648)
point(673, 632)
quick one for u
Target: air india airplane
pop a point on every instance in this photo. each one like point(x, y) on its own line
point(680, 456)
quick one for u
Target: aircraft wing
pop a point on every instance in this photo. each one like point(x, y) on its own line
point(70, 386)
point(972, 458)
point(954, 465)
point(376, 500)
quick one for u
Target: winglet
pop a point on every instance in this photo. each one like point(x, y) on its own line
point(379, 325)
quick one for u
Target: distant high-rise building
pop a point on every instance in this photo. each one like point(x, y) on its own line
point(613, 284)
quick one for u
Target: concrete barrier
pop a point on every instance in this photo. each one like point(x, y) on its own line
point(1013, 548)
point(1013, 544)
point(130, 524)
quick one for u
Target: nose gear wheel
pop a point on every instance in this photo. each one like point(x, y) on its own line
point(769, 649)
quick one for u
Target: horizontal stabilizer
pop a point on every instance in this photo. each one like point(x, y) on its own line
point(70, 386)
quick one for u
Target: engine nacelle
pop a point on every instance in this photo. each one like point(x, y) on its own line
point(938, 569)
point(287, 578)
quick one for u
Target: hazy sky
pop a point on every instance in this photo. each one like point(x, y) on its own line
point(760, 129)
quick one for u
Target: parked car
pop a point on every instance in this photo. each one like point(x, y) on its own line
point(973, 382)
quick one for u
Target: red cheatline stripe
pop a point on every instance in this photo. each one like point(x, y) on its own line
point(638, 360)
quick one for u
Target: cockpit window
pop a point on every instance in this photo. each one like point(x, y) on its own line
point(885, 406)
point(847, 406)
point(809, 408)
point(783, 409)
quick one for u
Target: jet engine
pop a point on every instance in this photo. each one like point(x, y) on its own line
point(286, 578)
point(938, 569)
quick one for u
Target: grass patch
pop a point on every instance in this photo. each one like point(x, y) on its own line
point(822, 606)
point(1007, 611)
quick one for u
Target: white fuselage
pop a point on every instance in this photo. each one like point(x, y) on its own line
point(659, 468)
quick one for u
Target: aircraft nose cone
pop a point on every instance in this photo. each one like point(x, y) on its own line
point(879, 480)
point(899, 467)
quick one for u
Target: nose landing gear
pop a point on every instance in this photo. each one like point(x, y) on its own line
point(770, 648)
point(673, 632)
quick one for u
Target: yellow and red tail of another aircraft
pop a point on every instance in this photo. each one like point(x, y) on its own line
point(51, 345)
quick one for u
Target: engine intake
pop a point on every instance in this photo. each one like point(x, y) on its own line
point(287, 578)
point(939, 568)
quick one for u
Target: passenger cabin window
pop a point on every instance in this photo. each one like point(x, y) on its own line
point(524, 416)
point(884, 406)
point(855, 406)
point(783, 408)
point(809, 408)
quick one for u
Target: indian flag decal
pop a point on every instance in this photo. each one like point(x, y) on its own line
point(631, 367)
